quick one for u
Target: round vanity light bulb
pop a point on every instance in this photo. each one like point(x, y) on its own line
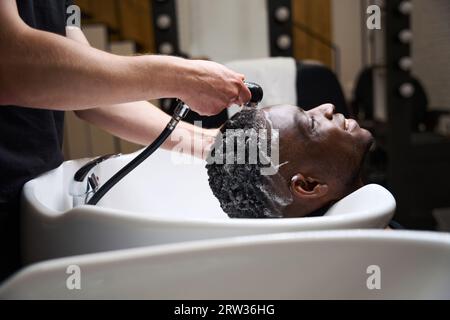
point(405, 36)
point(163, 21)
point(405, 63)
point(405, 7)
point(284, 42)
point(407, 90)
point(282, 14)
point(166, 48)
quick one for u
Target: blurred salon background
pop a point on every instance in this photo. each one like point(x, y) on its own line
point(394, 79)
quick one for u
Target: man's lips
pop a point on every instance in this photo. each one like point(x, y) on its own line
point(351, 125)
point(347, 124)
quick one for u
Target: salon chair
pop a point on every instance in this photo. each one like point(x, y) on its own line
point(423, 119)
point(317, 85)
point(363, 100)
point(423, 134)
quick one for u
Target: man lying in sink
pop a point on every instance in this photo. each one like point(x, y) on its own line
point(306, 161)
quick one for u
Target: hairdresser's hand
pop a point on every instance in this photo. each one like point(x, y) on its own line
point(211, 87)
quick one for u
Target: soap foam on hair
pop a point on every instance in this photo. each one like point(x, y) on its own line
point(276, 187)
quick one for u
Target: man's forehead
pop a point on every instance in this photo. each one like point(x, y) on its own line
point(282, 115)
point(281, 108)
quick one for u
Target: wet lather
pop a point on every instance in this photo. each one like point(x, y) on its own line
point(320, 159)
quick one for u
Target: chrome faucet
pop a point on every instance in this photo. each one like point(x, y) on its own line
point(85, 182)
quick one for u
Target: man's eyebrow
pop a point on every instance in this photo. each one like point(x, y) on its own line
point(305, 127)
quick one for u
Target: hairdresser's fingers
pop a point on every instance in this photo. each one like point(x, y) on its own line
point(240, 90)
point(235, 101)
point(213, 107)
point(211, 87)
point(205, 104)
point(237, 93)
point(244, 94)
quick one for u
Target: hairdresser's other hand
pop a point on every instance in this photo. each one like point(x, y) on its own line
point(210, 87)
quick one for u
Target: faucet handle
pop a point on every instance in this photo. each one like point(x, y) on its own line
point(82, 173)
point(94, 182)
point(85, 184)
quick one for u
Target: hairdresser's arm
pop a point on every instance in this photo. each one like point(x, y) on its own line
point(43, 69)
point(141, 122)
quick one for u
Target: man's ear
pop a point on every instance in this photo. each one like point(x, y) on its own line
point(307, 187)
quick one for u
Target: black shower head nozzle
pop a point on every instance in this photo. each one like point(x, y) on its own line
point(256, 91)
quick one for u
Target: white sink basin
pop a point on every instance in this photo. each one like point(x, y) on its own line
point(161, 202)
point(305, 265)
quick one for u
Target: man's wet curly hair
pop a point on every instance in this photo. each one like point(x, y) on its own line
point(243, 192)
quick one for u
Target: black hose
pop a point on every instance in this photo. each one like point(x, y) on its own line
point(130, 166)
point(394, 225)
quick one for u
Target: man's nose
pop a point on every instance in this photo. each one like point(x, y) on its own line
point(328, 110)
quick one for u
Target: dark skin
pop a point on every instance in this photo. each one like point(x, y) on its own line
point(323, 151)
